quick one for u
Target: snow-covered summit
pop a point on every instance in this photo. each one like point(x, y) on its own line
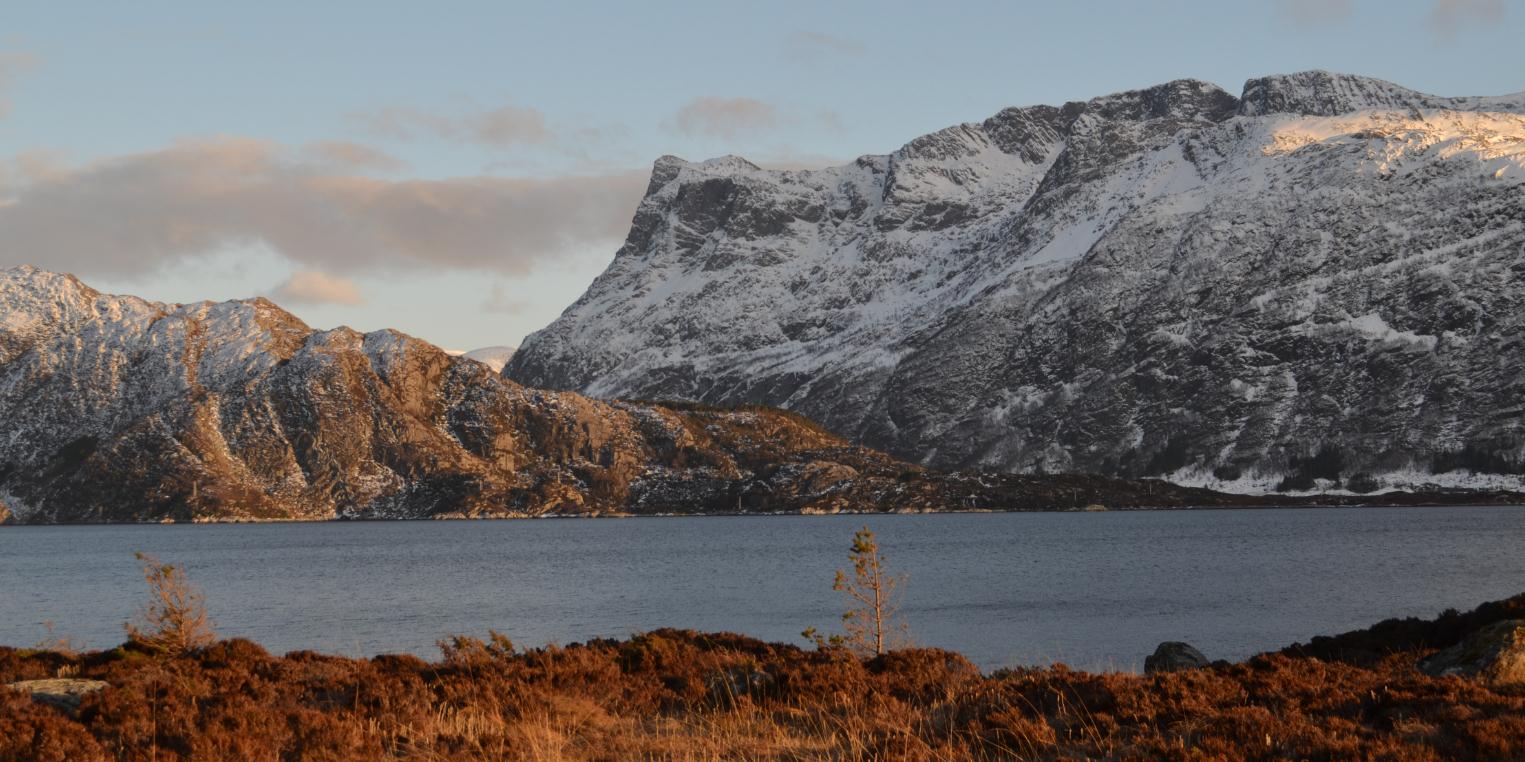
point(1322, 93)
point(1170, 280)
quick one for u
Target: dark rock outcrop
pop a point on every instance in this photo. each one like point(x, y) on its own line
point(1174, 656)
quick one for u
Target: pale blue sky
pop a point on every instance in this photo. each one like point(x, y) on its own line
point(175, 150)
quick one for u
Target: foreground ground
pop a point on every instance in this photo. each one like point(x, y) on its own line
point(684, 695)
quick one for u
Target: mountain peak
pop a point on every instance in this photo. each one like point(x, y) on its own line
point(728, 161)
point(1325, 93)
point(38, 278)
point(1181, 99)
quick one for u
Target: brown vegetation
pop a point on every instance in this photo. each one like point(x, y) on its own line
point(174, 621)
point(684, 695)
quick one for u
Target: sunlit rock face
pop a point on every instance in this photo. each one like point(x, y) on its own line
point(113, 408)
point(1318, 280)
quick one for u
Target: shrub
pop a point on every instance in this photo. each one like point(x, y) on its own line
point(174, 621)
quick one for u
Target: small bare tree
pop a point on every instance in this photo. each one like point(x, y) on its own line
point(174, 620)
point(873, 597)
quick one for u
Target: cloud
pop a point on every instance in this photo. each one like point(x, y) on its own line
point(313, 287)
point(500, 302)
point(133, 213)
point(725, 117)
point(1447, 17)
point(342, 154)
point(11, 66)
point(1311, 14)
point(816, 44)
point(502, 127)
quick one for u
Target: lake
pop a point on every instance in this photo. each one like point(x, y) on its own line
point(1094, 590)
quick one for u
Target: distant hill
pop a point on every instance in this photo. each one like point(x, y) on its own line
point(492, 357)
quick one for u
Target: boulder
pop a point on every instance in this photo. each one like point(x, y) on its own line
point(1173, 656)
point(820, 476)
point(1494, 654)
point(64, 693)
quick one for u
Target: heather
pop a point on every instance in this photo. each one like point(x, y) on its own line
point(672, 694)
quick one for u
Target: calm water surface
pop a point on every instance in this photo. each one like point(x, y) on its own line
point(1093, 590)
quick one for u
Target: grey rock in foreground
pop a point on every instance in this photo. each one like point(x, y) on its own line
point(64, 693)
point(1494, 654)
point(1174, 656)
point(1320, 279)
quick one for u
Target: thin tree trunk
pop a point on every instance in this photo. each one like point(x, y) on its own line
point(878, 607)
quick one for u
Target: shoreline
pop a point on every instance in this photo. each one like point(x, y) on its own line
point(1516, 501)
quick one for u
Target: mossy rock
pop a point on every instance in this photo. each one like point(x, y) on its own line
point(1494, 654)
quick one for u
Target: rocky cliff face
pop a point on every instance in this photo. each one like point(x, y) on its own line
point(113, 408)
point(1319, 280)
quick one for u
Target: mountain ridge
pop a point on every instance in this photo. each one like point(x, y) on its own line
point(118, 409)
point(1048, 290)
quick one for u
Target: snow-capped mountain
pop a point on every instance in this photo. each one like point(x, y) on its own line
point(493, 357)
point(113, 408)
point(1320, 279)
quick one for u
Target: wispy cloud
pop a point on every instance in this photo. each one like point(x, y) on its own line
point(499, 301)
point(725, 117)
point(815, 44)
point(131, 213)
point(1313, 14)
point(343, 154)
point(501, 127)
point(12, 64)
point(1448, 17)
point(313, 287)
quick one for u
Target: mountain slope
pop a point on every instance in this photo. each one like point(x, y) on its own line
point(1319, 278)
point(114, 409)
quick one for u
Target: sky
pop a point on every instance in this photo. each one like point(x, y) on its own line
point(462, 171)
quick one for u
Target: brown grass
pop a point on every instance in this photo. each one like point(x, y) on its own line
point(688, 696)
